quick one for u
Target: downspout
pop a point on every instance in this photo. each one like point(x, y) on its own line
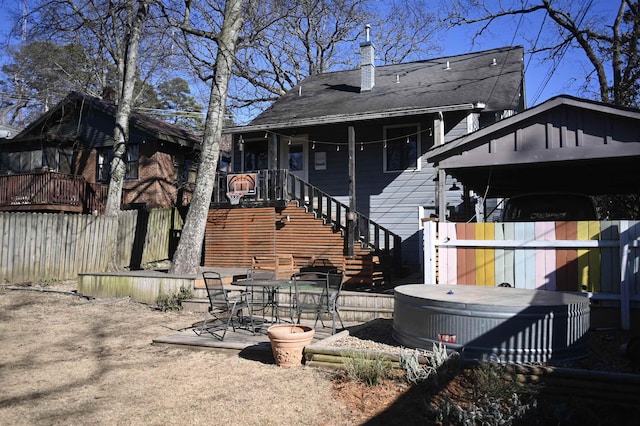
point(441, 176)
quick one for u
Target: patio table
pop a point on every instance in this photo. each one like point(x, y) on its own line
point(270, 288)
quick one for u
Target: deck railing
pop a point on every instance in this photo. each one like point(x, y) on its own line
point(30, 191)
point(279, 187)
point(41, 188)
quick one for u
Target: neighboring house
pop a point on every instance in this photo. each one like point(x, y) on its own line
point(390, 116)
point(61, 161)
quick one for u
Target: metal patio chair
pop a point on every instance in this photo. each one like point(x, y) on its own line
point(318, 293)
point(225, 308)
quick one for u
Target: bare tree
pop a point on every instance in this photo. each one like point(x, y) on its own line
point(285, 41)
point(280, 43)
point(225, 37)
point(123, 31)
point(127, 66)
point(609, 42)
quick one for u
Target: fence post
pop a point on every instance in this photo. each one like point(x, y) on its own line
point(625, 322)
point(430, 235)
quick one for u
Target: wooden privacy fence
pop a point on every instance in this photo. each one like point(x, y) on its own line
point(597, 258)
point(36, 246)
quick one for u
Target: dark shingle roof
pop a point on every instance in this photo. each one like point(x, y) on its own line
point(471, 78)
point(158, 128)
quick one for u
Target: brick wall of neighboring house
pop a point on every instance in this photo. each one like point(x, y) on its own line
point(85, 165)
point(167, 191)
point(154, 187)
point(155, 184)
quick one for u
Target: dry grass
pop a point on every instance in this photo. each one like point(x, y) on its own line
point(66, 360)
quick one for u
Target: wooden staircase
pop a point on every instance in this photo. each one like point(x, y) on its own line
point(234, 236)
point(285, 215)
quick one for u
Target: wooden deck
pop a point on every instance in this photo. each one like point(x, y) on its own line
point(242, 340)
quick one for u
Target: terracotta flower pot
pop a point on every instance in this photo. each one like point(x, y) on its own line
point(288, 342)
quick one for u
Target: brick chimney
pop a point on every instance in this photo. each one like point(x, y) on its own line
point(367, 65)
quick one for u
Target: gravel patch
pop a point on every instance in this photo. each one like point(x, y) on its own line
point(374, 335)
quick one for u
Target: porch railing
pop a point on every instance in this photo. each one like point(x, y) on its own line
point(41, 188)
point(279, 186)
point(52, 189)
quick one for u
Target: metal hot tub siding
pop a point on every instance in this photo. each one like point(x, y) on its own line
point(516, 325)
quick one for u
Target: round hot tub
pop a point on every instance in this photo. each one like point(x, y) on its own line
point(514, 325)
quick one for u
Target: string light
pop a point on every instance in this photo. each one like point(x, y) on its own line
point(408, 139)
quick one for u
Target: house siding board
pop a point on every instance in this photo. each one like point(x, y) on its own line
point(455, 126)
point(563, 133)
point(96, 129)
point(390, 199)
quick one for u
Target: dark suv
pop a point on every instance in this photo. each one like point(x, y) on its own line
point(539, 207)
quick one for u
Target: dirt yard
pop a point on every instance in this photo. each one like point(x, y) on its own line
point(68, 360)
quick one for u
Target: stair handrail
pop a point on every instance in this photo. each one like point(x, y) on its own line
point(368, 233)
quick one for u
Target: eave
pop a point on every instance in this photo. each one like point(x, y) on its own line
point(350, 118)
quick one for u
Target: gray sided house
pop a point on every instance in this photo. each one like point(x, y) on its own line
point(61, 161)
point(393, 115)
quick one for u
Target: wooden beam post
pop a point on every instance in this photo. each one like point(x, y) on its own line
point(441, 195)
point(273, 152)
point(351, 218)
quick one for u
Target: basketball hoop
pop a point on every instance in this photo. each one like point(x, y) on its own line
point(234, 197)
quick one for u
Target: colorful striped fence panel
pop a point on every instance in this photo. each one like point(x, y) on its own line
point(523, 254)
point(601, 258)
point(633, 259)
point(448, 261)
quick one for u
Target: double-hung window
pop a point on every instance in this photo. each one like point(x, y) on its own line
point(103, 163)
point(131, 156)
point(401, 148)
point(186, 172)
point(103, 160)
point(255, 155)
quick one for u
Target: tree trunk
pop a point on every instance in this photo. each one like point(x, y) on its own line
point(121, 130)
point(189, 251)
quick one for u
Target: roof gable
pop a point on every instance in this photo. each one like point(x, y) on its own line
point(565, 143)
point(143, 123)
point(492, 78)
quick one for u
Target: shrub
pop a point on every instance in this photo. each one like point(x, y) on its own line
point(369, 370)
point(173, 302)
point(437, 363)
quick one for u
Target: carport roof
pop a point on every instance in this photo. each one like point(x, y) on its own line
point(563, 144)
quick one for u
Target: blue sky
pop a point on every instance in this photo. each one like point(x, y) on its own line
point(543, 80)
